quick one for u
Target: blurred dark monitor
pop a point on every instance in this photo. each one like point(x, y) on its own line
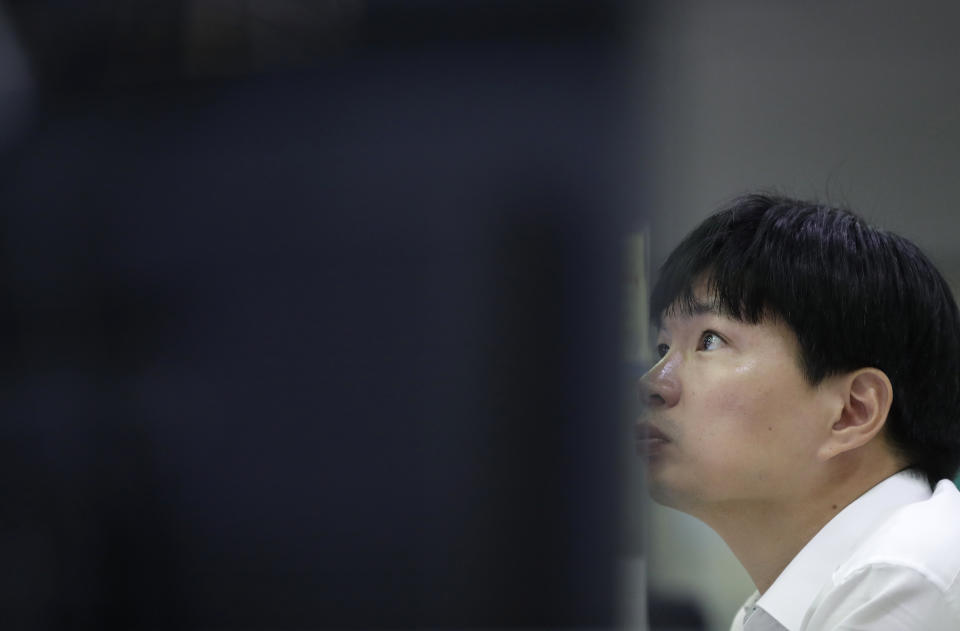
point(330, 347)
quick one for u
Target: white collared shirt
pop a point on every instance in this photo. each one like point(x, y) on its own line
point(890, 561)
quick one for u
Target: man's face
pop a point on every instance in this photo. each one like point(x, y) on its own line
point(739, 421)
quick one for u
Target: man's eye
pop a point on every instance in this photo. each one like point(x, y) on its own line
point(710, 341)
point(662, 350)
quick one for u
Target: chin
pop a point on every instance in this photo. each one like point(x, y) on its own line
point(673, 495)
point(662, 493)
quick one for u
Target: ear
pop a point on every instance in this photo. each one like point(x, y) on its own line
point(866, 395)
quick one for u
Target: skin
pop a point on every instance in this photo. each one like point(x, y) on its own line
point(753, 449)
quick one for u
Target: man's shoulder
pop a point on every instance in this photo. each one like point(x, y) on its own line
point(923, 536)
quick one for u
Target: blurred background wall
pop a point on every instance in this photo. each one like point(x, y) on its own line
point(850, 102)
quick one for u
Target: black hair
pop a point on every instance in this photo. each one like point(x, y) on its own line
point(856, 296)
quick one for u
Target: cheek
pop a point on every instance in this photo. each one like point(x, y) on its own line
point(737, 407)
point(746, 412)
point(721, 437)
point(764, 424)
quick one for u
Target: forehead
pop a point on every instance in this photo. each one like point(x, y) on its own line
point(699, 300)
point(705, 295)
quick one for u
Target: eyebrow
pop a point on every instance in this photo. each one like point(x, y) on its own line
point(693, 309)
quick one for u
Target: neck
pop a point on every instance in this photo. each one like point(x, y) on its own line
point(766, 535)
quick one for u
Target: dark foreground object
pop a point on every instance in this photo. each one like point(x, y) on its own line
point(329, 348)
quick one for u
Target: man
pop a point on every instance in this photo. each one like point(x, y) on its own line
point(806, 406)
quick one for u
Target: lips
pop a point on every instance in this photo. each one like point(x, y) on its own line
point(650, 439)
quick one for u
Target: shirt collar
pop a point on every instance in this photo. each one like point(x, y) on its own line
point(797, 586)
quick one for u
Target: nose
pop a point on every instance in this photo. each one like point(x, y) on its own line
point(659, 386)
